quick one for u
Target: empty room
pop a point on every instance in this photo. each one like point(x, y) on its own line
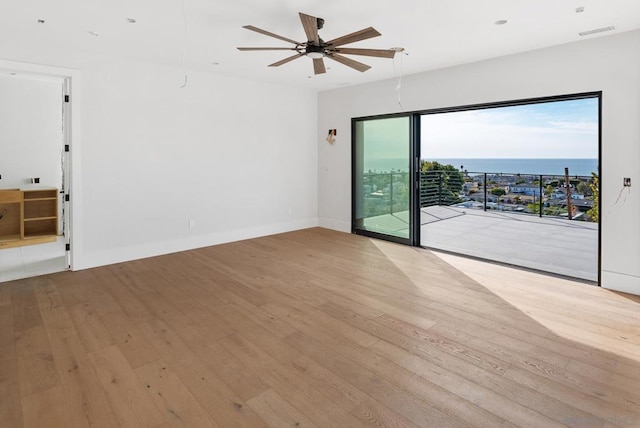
point(290, 214)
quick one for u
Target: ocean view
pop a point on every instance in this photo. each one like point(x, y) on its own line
point(582, 167)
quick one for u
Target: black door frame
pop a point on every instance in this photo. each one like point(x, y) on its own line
point(413, 240)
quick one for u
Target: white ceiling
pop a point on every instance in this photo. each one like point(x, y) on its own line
point(434, 33)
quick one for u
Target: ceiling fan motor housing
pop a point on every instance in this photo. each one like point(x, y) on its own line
point(314, 48)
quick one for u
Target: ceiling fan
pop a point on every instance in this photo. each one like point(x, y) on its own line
point(318, 49)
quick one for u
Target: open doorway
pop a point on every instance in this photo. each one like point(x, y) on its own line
point(516, 183)
point(34, 174)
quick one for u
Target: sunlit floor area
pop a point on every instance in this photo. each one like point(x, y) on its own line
point(316, 328)
point(32, 260)
point(547, 244)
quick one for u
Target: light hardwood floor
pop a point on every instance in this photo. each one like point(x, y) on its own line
point(316, 328)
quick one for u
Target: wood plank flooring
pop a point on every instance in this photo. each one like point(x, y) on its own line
point(316, 328)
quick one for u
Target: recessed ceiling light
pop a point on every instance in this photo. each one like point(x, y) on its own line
point(93, 33)
point(500, 22)
point(215, 63)
point(131, 20)
point(580, 9)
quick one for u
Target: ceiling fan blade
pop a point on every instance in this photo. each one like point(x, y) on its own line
point(318, 66)
point(268, 33)
point(381, 53)
point(349, 62)
point(286, 60)
point(266, 49)
point(310, 24)
point(367, 33)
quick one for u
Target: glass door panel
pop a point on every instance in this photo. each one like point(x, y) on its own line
point(381, 178)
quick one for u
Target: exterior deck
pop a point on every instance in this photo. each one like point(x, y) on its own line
point(549, 244)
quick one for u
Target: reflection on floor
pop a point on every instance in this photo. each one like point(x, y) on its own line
point(32, 260)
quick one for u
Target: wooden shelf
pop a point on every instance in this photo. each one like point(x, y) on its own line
point(40, 194)
point(39, 235)
point(40, 227)
point(28, 217)
point(41, 218)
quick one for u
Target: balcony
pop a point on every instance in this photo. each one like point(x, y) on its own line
point(525, 223)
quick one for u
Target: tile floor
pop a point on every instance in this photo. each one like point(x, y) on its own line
point(32, 260)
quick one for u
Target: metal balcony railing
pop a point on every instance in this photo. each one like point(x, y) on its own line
point(385, 193)
point(544, 195)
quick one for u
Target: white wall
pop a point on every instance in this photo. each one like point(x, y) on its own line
point(609, 64)
point(30, 131)
point(237, 157)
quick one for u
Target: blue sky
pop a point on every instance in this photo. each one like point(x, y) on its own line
point(561, 129)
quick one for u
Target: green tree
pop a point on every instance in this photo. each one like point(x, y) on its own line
point(548, 190)
point(594, 185)
point(498, 191)
point(534, 208)
point(555, 211)
point(584, 188)
point(445, 181)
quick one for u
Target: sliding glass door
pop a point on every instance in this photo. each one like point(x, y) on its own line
point(515, 182)
point(382, 202)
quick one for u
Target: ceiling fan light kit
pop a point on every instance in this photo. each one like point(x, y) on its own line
point(317, 49)
point(315, 52)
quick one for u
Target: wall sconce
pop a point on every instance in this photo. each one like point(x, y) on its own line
point(331, 138)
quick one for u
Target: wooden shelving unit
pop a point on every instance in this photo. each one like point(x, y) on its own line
point(28, 217)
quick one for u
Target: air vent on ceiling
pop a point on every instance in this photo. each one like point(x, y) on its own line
point(597, 30)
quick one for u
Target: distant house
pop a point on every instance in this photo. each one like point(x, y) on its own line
point(499, 178)
point(525, 189)
point(562, 194)
point(470, 187)
point(511, 198)
point(582, 205)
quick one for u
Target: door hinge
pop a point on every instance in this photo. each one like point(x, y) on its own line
point(67, 98)
point(67, 247)
point(66, 147)
point(66, 198)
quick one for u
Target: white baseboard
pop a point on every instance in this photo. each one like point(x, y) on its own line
point(340, 226)
point(620, 282)
point(152, 249)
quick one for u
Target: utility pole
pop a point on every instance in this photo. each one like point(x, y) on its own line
point(568, 187)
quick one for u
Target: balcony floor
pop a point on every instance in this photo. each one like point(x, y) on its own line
point(548, 244)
